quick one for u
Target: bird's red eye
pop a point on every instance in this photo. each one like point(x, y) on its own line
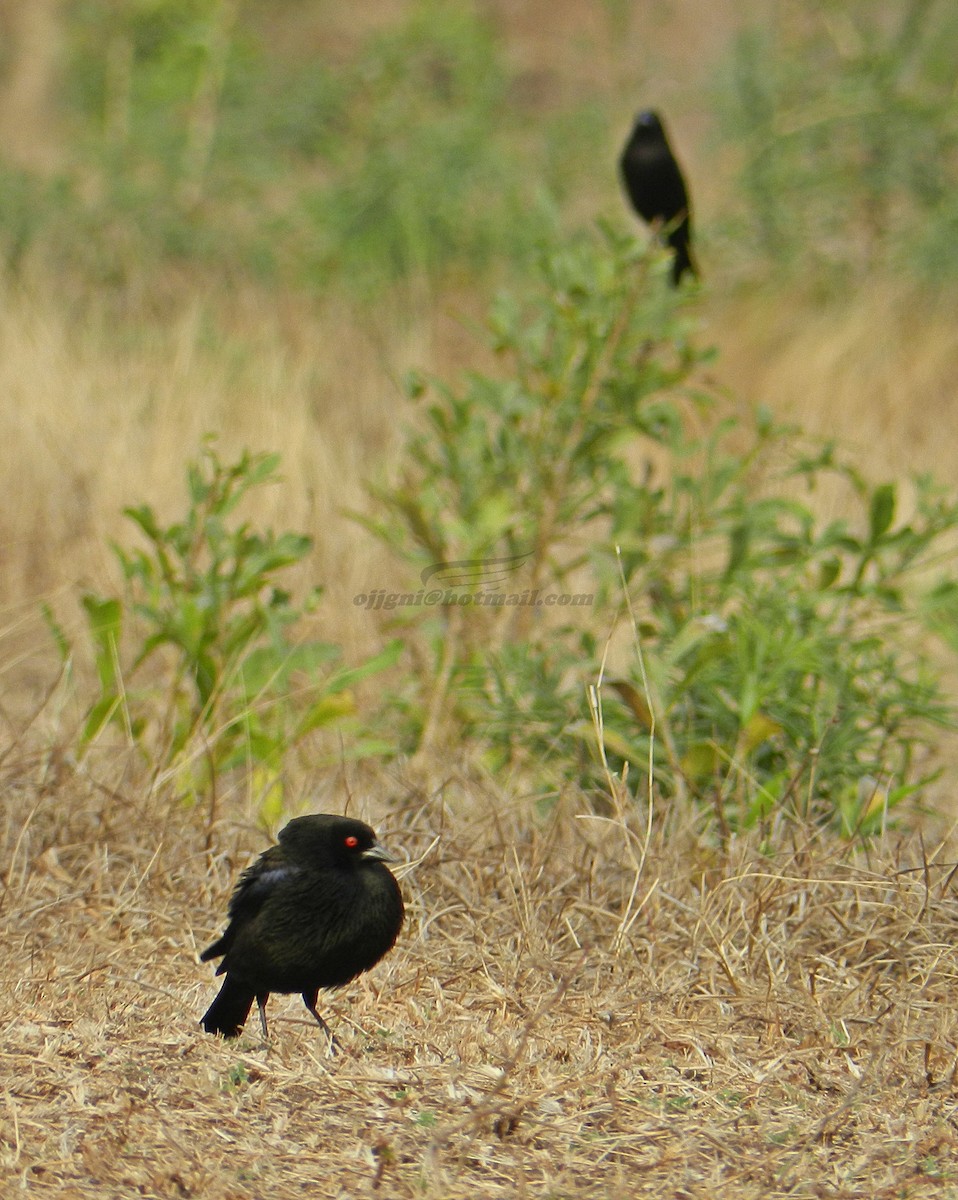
point(352, 842)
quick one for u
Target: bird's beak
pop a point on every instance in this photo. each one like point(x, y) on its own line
point(378, 853)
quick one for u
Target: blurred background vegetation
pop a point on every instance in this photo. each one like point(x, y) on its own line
point(199, 133)
point(282, 142)
point(252, 219)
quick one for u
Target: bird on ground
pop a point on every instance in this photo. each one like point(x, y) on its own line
point(656, 188)
point(312, 912)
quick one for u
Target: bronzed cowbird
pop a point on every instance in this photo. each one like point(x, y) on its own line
point(657, 190)
point(313, 912)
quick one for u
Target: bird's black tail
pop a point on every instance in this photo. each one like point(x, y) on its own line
point(228, 1012)
point(683, 262)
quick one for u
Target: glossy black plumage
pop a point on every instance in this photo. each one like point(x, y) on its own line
point(312, 912)
point(654, 183)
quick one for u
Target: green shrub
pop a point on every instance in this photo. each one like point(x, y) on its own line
point(230, 686)
point(781, 668)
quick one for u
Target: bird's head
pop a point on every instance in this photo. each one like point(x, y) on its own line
point(326, 839)
point(648, 124)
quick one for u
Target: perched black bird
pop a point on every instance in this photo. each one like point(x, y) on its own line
point(657, 190)
point(313, 912)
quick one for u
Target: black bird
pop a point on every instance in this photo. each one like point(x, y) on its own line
point(313, 912)
point(657, 190)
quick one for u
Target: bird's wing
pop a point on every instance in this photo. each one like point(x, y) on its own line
point(255, 886)
point(258, 882)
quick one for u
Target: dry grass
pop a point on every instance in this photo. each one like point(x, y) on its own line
point(878, 374)
point(574, 1009)
point(102, 415)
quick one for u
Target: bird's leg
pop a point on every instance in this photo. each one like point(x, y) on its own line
point(309, 999)
point(261, 999)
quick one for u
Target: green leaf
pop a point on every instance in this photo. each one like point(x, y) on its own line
point(56, 631)
point(144, 516)
point(758, 729)
point(380, 662)
point(882, 512)
point(326, 711)
point(268, 668)
point(105, 619)
point(739, 541)
point(102, 712)
point(701, 761)
point(828, 572)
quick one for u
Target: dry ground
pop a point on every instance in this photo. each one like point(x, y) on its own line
point(578, 1007)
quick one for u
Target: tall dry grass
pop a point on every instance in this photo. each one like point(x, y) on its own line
point(878, 372)
point(101, 413)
